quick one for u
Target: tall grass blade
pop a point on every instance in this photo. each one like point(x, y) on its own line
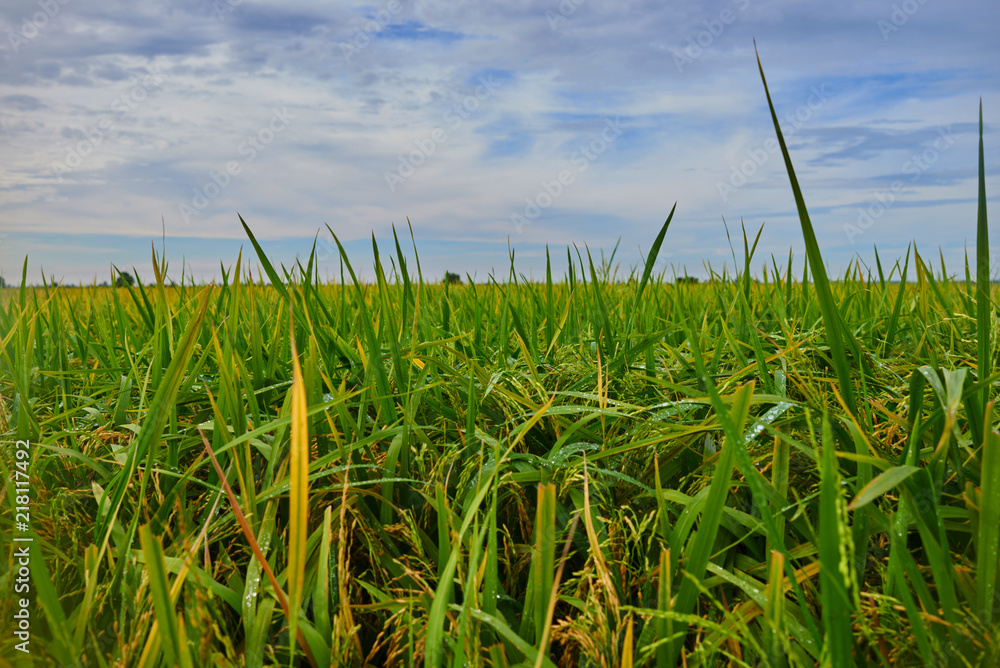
point(711, 516)
point(774, 611)
point(159, 588)
point(832, 323)
point(835, 559)
point(41, 580)
point(255, 546)
point(654, 252)
point(988, 543)
point(983, 286)
point(276, 281)
point(160, 410)
point(544, 555)
point(298, 502)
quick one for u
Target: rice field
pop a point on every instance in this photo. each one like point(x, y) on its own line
point(604, 468)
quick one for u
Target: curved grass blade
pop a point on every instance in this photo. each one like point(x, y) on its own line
point(983, 307)
point(837, 338)
point(881, 484)
point(276, 281)
point(654, 251)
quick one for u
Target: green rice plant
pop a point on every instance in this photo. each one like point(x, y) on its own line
point(838, 337)
point(171, 629)
point(712, 513)
point(835, 561)
point(258, 553)
point(298, 506)
point(983, 301)
point(988, 521)
point(789, 469)
point(543, 567)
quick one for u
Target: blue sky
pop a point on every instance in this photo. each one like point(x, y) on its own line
point(489, 127)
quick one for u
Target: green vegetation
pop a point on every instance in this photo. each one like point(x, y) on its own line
point(124, 278)
point(789, 471)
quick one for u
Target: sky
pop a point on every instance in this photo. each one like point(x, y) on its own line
point(489, 130)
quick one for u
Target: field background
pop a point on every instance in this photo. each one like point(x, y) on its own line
point(606, 468)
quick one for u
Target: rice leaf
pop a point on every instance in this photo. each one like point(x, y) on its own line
point(837, 339)
point(160, 592)
point(881, 484)
point(983, 285)
point(276, 281)
point(298, 501)
point(988, 543)
point(835, 561)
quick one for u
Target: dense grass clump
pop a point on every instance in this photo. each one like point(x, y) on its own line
point(577, 472)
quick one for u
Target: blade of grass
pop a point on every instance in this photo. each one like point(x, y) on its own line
point(983, 287)
point(710, 519)
point(835, 562)
point(774, 610)
point(62, 645)
point(881, 484)
point(988, 544)
point(160, 410)
point(255, 546)
point(664, 604)
point(163, 606)
point(836, 338)
point(434, 643)
point(894, 318)
point(543, 645)
point(298, 502)
point(654, 252)
point(276, 281)
point(544, 554)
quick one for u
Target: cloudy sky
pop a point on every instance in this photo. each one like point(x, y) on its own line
point(489, 127)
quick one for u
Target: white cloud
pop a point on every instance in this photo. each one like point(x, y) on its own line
point(686, 131)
